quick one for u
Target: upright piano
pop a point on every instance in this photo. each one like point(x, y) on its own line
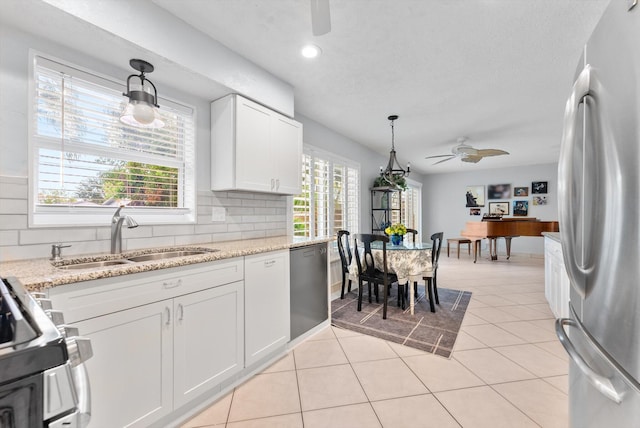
point(507, 228)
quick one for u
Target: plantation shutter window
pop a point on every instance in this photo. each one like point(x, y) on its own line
point(330, 195)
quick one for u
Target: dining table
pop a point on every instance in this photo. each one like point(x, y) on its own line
point(411, 262)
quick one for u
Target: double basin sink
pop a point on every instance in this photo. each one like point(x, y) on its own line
point(158, 255)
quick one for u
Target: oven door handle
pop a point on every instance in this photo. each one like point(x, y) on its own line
point(83, 390)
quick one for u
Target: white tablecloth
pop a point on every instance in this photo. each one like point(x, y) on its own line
point(410, 263)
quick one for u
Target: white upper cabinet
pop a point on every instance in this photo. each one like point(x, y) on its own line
point(254, 148)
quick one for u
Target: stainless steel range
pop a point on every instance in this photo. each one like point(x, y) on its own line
point(43, 381)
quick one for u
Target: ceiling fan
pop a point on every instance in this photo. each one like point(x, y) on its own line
point(466, 153)
point(320, 17)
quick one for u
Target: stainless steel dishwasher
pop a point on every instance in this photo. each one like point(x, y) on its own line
point(309, 289)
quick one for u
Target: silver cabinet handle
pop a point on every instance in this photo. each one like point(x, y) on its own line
point(181, 312)
point(601, 383)
point(172, 284)
point(277, 184)
point(269, 263)
point(167, 311)
point(273, 184)
point(566, 196)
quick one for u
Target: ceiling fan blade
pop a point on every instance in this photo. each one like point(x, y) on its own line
point(491, 152)
point(320, 17)
point(444, 160)
point(439, 156)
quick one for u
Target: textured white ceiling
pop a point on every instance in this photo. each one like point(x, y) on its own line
point(495, 71)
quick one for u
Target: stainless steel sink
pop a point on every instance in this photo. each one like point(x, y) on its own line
point(167, 255)
point(93, 265)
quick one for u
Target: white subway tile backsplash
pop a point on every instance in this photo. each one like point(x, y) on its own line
point(13, 206)
point(228, 236)
point(173, 230)
point(13, 221)
point(240, 227)
point(140, 243)
point(56, 236)
point(240, 195)
point(253, 234)
point(211, 228)
point(255, 202)
point(8, 237)
point(253, 219)
point(193, 239)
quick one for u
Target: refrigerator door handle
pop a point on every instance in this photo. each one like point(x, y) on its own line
point(600, 382)
point(581, 88)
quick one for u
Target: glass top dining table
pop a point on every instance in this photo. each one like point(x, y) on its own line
point(410, 262)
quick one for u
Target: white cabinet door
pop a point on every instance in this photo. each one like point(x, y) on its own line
point(208, 339)
point(254, 148)
point(287, 155)
point(254, 165)
point(556, 280)
point(266, 304)
point(131, 370)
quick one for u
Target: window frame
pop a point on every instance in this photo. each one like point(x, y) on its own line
point(65, 216)
point(333, 160)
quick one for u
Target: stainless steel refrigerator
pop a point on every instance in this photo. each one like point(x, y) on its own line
point(599, 208)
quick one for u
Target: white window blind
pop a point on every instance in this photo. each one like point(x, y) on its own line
point(84, 159)
point(330, 195)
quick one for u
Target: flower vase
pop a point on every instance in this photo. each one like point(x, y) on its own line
point(396, 239)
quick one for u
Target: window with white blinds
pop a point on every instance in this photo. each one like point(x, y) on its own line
point(85, 161)
point(330, 195)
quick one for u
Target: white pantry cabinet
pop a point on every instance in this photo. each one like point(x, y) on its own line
point(180, 335)
point(556, 280)
point(254, 148)
point(266, 297)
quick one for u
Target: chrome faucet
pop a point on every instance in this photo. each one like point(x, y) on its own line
point(116, 229)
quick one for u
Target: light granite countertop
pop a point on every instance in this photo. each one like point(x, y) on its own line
point(40, 274)
point(552, 235)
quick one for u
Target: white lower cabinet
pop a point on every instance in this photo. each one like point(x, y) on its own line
point(556, 280)
point(131, 371)
point(266, 299)
point(208, 340)
point(183, 337)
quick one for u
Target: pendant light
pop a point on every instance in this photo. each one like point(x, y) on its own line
point(142, 109)
point(394, 172)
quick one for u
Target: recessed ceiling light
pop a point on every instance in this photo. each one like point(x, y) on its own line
point(311, 51)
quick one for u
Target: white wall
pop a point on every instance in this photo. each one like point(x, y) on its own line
point(443, 203)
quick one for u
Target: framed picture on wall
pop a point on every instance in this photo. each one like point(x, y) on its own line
point(475, 196)
point(474, 211)
point(499, 191)
point(499, 208)
point(539, 187)
point(521, 208)
point(539, 200)
point(519, 192)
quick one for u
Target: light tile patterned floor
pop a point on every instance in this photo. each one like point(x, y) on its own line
point(507, 369)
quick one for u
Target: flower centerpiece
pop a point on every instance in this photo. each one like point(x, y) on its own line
point(396, 231)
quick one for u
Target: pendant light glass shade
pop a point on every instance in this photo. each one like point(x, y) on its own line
point(142, 109)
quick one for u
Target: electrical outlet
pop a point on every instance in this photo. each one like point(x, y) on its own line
point(218, 214)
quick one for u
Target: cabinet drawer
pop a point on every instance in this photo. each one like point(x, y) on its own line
point(84, 300)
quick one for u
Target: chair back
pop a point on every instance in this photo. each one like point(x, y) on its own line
point(368, 268)
point(344, 249)
point(414, 233)
point(436, 244)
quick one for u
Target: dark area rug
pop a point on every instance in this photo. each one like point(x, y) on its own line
point(435, 333)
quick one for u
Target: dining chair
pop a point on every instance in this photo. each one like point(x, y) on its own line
point(413, 233)
point(431, 277)
point(367, 270)
point(345, 257)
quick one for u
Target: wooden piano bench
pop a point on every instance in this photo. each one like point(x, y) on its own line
point(458, 242)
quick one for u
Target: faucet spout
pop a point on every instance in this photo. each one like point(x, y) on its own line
point(116, 229)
